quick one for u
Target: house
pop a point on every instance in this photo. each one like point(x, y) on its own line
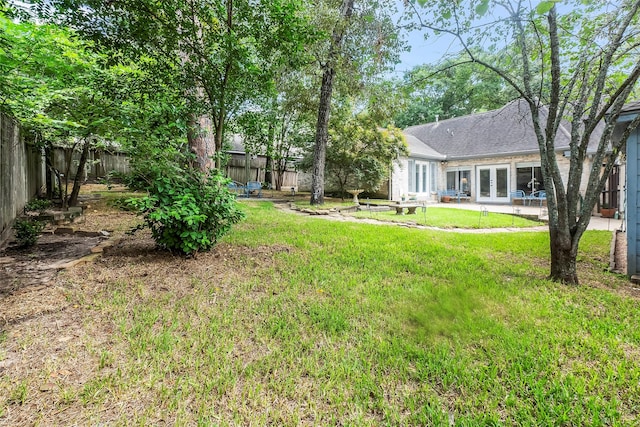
point(632, 220)
point(486, 156)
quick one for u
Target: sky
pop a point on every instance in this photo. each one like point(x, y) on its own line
point(425, 51)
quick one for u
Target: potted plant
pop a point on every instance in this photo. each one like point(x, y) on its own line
point(446, 199)
point(606, 211)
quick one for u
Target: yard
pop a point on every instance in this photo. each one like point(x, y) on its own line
point(295, 320)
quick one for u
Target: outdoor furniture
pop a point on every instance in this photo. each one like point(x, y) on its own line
point(538, 196)
point(236, 188)
point(518, 195)
point(410, 207)
point(454, 194)
point(253, 186)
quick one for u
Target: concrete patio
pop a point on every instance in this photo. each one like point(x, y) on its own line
point(596, 223)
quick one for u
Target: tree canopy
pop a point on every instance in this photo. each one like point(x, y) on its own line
point(224, 52)
point(453, 88)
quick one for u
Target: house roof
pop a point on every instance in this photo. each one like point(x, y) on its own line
point(237, 145)
point(506, 131)
point(418, 148)
point(633, 106)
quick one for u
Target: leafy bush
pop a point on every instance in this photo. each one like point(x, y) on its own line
point(27, 231)
point(37, 205)
point(186, 210)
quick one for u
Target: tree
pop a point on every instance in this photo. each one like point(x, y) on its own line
point(57, 88)
point(360, 153)
point(280, 124)
point(362, 42)
point(451, 89)
point(569, 63)
point(324, 106)
point(225, 52)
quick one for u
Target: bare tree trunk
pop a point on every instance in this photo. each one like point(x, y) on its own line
point(324, 108)
point(268, 172)
point(219, 135)
point(563, 257)
point(322, 136)
point(200, 137)
point(48, 156)
point(73, 198)
point(282, 168)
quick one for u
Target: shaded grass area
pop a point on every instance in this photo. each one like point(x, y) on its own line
point(452, 218)
point(303, 321)
point(329, 203)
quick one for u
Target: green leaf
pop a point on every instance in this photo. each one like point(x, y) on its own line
point(545, 6)
point(482, 8)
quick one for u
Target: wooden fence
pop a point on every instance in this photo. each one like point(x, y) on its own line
point(241, 169)
point(21, 174)
point(99, 163)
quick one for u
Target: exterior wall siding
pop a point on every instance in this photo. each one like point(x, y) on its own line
point(400, 182)
point(633, 204)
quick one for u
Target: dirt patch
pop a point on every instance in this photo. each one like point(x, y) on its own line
point(21, 268)
point(28, 275)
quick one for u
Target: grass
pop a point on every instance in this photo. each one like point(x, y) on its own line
point(328, 204)
point(304, 321)
point(452, 218)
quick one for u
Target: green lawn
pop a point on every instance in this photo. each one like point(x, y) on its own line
point(452, 218)
point(305, 321)
point(328, 204)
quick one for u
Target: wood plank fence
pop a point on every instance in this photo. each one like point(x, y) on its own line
point(21, 174)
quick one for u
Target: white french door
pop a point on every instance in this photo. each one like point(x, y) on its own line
point(493, 184)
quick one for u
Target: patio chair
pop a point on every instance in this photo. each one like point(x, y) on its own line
point(236, 188)
point(253, 186)
point(517, 195)
point(538, 196)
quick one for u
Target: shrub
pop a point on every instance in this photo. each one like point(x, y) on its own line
point(37, 205)
point(27, 231)
point(186, 210)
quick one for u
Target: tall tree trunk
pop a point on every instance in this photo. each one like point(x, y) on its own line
point(282, 168)
point(324, 108)
point(268, 172)
point(201, 141)
point(563, 257)
point(219, 138)
point(73, 198)
point(48, 155)
point(322, 136)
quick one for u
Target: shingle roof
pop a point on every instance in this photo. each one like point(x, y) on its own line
point(506, 131)
point(418, 148)
point(630, 107)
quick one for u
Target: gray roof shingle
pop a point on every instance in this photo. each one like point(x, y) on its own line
point(506, 131)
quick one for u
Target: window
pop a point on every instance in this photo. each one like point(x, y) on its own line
point(529, 177)
point(434, 177)
point(459, 180)
point(422, 176)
